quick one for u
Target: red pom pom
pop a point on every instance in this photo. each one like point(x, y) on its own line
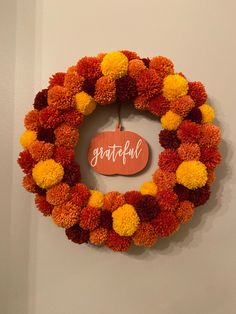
point(26, 161)
point(169, 139)
point(77, 234)
point(147, 208)
point(189, 132)
point(132, 197)
point(43, 206)
point(167, 200)
point(73, 118)
point(149, 84)
point(50, 117)
point(197, 92)
point(130, 54)
point(57, 79)
point(80, 194)
point(89, 218)
point(72, 174)
point(165, 223)
point(126, 89)
point(64, 155)
point(41, 99)
point(158, 105)
point(169, 160)
point(118, 243)
point(89, 67)
point(210, 156)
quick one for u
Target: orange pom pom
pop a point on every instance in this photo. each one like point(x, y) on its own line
point(29, 184)
point(98, 236)
point(145, 235)
point(105, 91)
point(135, 68)
point(189, 151)
point(60, 98)
point(113, 200)
point(185, 211)
point(164, 179)
point(210, 135)
point(31, 120)
point(66, 136)
point(73, 82)
point(66, 215)
point(58, 194)
point(41, 150)
point(162, 65)
point(182, 105)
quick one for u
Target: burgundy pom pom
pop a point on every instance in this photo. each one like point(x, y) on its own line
point(169, 139)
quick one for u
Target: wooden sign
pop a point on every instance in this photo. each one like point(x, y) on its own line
point(118, 152)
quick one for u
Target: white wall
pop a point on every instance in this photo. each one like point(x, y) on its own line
point(41, 271)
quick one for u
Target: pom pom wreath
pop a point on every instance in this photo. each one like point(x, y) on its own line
point(192, 174)
point(105, 91)
point(58, 194)
point(132, 197)
point(158, 105)
point(41, 99)
point(114, 65)
point(80, 194)
point(60, 98)
point(135, 68)
point(199, 196)
point(208, 113)
point(149, 84)
point(185, 211)
point(189, 132)
point(167, 200)
point(125, 220)
point(73, 118)
point(148, 188)
point(41, 151)
point(162, 65)
point(197, 93)
point(26, 161)
point(106, 219)
point(147, 208)
point(171, 121)
point(27, 138)
point(46, 135)
point(77, 234)
point(66, 136)
point(174, 86)
point(29, 184)
point(165, 223)
point(96, 199)
point(145, 235)
point(210, 135)
point(89, 67)
point(164, 179)
point(42, 205)
point(141, 103)
point(72, 174)
point(50, 117)
point(31, 120)
point(113, 200)
point(126, 89)
point(211, 157)
point(195, 115)
point(189, 151)
point(47, 173)
point(85, 103)
point(66, 215)
point(63, 155)
point(56, 79)
point(73, 82)
point(182, 106)
point(98, 236)
point(89, 218)
point(186, 166)
point(169, 139)
point(169, 160)
point(117, 243)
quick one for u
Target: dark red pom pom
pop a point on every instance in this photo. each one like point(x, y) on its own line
point(182, 192)
point(41, 99)
point(147, 207)
point(132, 197)
point(106, 219)
point(77, 235)
point(169, 139)
point(126, 89)
point(26, 161)
point(195, 115)
point(72, 174)
point(46, 135)
point(199, 196)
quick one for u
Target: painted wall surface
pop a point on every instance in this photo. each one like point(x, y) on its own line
point(41, 271)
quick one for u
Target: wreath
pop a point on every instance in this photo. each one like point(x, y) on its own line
point(185, 168)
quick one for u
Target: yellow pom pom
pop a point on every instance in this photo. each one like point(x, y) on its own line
point(192, 174)
point(85, 103)
point(96, 199)
point(27, 138)
point(114, 64)
point(171, 120)
point(207, 113)
point(125, 220)
point(174, 86)
point(47, 173)
point(149, 188)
